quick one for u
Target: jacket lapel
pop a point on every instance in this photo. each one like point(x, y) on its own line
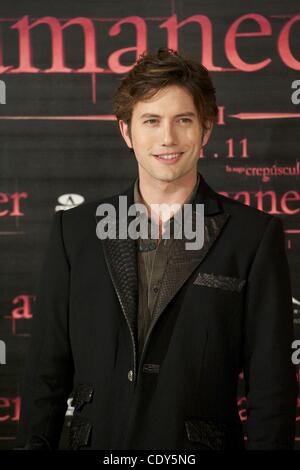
point(121, 259)
point(183, 262)
point(121, 256)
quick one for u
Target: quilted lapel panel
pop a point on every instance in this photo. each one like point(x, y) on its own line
point(183, 262)
point(121, 259)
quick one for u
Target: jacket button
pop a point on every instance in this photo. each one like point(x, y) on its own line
point(130, 375)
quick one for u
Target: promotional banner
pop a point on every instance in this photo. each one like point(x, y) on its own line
point(60, 145)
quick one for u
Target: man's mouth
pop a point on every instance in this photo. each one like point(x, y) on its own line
point(169, 158)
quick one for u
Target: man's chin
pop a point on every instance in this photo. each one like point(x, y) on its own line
point(164, 175)
point(166, 178)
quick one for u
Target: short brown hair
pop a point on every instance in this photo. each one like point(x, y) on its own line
point(155, 71)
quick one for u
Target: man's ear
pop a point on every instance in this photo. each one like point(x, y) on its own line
point(125, 131)
point(207, 133)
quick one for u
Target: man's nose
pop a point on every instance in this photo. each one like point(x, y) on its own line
point(168, 134)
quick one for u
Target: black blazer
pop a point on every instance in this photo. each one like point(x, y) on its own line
point(222, 309)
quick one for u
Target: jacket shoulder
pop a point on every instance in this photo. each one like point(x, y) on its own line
point(244, 211)
point(78, 225)
point(247, 223)
point(87, 210)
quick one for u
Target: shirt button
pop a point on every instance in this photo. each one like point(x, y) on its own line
point(130, 375)
point(155, 289)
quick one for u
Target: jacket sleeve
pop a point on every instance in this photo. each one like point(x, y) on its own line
point(49, 369)
point(270, 376)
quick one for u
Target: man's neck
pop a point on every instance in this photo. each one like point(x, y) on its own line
point(163, 192)
point(169, 192)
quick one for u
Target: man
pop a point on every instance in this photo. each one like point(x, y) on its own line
point(152, 336)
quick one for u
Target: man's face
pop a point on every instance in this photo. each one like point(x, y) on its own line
point(167, 124)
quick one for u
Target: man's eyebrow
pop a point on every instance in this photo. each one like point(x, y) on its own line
point(146, 115)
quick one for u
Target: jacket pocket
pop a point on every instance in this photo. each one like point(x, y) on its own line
point(219, 281)
point(80, 427)
point(79, 433)
point(205, 434)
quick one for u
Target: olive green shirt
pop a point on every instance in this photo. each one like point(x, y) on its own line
point(152, 257)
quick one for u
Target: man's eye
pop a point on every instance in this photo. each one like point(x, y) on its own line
point(185, 119)
point(153, 121)
point(150, 121)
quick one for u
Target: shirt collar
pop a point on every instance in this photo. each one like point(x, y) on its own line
point(189, 200)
